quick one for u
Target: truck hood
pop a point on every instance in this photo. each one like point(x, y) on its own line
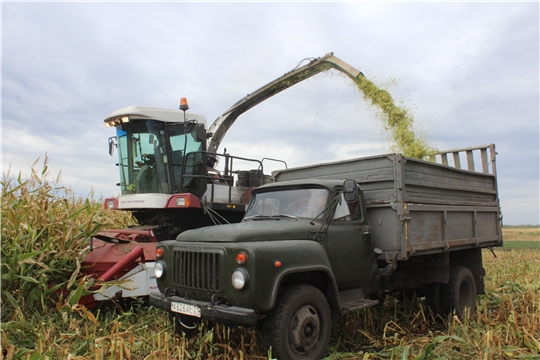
point(254, 230)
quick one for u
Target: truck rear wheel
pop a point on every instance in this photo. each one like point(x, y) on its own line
point(299, 326)
point(460, 292)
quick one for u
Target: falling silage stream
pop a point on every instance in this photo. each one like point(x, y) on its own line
point(396, 119)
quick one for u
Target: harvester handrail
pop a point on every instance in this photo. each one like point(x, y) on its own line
point(227, 175)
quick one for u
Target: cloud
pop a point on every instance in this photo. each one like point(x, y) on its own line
point(467, 72)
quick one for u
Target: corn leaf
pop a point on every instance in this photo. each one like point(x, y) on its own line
point(76, 296)
point(24, 257)
point(27, 279)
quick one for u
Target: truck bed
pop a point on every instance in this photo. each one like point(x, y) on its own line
point(420, 207)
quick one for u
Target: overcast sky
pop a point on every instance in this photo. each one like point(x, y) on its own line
point(467, 73)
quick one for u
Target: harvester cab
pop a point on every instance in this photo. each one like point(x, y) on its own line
point(168, 179)
point(153, 147)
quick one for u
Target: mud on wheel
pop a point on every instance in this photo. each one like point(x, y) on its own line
point(299, 326)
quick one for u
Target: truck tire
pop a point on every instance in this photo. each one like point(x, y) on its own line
point(460, 292)
point(300, 324)
point(188, 325)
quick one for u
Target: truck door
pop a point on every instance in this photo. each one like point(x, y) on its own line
point(349, 244)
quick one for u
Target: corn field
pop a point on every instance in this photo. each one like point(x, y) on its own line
point(46, 232)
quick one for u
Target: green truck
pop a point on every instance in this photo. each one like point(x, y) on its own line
point(330, 239)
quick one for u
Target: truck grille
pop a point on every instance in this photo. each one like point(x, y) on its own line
point(196, 270)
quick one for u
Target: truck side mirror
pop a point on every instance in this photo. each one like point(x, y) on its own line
point(350, 191)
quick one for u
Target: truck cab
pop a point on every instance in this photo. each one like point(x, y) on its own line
point(310, 237)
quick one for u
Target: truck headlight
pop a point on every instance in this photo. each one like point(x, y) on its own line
point(240, 278)
point(159, 269)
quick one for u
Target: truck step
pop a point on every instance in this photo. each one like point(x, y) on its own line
point(350, 307)
point(354, 300)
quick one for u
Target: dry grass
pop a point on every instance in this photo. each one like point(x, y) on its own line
point(521, 233)
point(506, 326)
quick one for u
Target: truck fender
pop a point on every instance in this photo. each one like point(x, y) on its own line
point(296, 261)
point(330, 290)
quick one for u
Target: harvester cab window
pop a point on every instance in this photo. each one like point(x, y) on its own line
point(183, 141)
point(142, 157)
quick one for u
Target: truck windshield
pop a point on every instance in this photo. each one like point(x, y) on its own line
point(143, 148)
point(301, 203)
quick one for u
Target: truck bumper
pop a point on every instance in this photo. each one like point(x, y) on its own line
point(214, 312)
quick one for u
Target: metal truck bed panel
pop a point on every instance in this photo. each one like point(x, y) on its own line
point(421, 207)
point(424, 229)
point(431, 183)
point(394, 178)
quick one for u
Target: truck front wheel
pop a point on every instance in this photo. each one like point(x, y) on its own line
point(299, 326)
point(460, 292)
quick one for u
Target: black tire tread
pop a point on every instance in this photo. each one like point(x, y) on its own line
point(458, 274)
point(274, 321)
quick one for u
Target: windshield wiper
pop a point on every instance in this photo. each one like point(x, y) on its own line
point(334, 202)
point(274, 217)
point(253, 217)
point(285, 215)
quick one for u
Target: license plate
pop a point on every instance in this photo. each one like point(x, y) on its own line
point(186, 309)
